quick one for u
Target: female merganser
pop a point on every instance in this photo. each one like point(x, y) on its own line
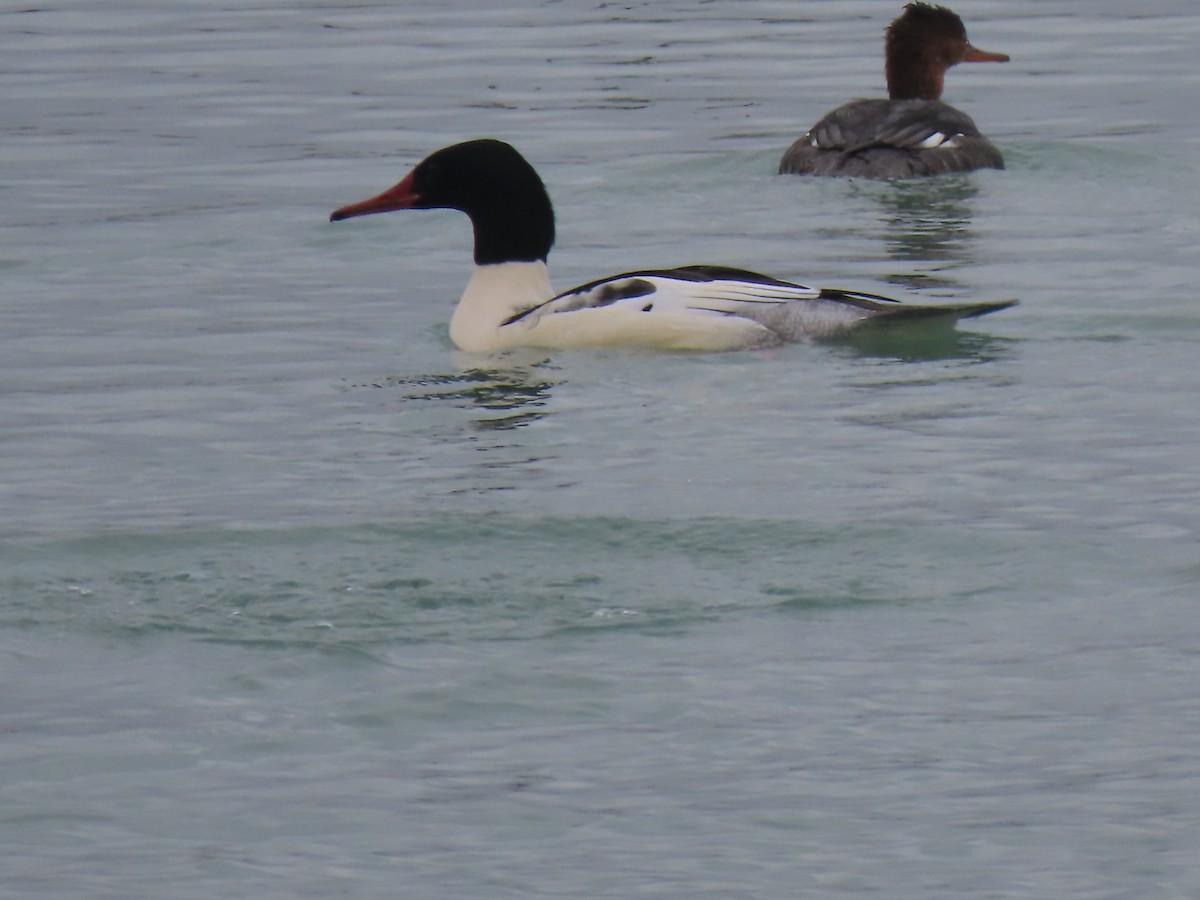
point(912, 132)
point(509, 302)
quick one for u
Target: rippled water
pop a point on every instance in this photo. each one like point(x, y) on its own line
point(298, 601)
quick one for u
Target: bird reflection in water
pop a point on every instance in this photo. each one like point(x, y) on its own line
point(929, 345)
point(520, 394)
point(926, 224)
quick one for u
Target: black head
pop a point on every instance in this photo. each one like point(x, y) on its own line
point(489, 181)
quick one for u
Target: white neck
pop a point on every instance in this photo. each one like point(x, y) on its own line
point(494, 294)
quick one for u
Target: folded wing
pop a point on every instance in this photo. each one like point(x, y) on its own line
point(782, 310)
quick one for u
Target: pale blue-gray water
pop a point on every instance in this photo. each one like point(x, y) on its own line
point(297, 601)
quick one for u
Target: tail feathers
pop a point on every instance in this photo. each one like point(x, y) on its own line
point(949, 313)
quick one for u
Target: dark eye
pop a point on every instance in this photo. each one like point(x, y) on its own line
point(427, 174)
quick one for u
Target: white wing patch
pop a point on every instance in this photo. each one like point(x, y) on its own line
point(937, 139)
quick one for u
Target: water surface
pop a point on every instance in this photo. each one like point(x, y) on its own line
point(299, 601)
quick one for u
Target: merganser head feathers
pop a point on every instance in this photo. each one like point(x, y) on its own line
point(492, 183)
point(921, 45)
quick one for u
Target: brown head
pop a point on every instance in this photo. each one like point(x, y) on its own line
point(921, 45)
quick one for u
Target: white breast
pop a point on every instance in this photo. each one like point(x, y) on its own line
point(494, 294)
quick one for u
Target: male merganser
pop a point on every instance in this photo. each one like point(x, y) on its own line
point(912, 132)
point(509, 302)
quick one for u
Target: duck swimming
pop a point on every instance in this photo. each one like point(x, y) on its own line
point(509, 302)
point(912, 132)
